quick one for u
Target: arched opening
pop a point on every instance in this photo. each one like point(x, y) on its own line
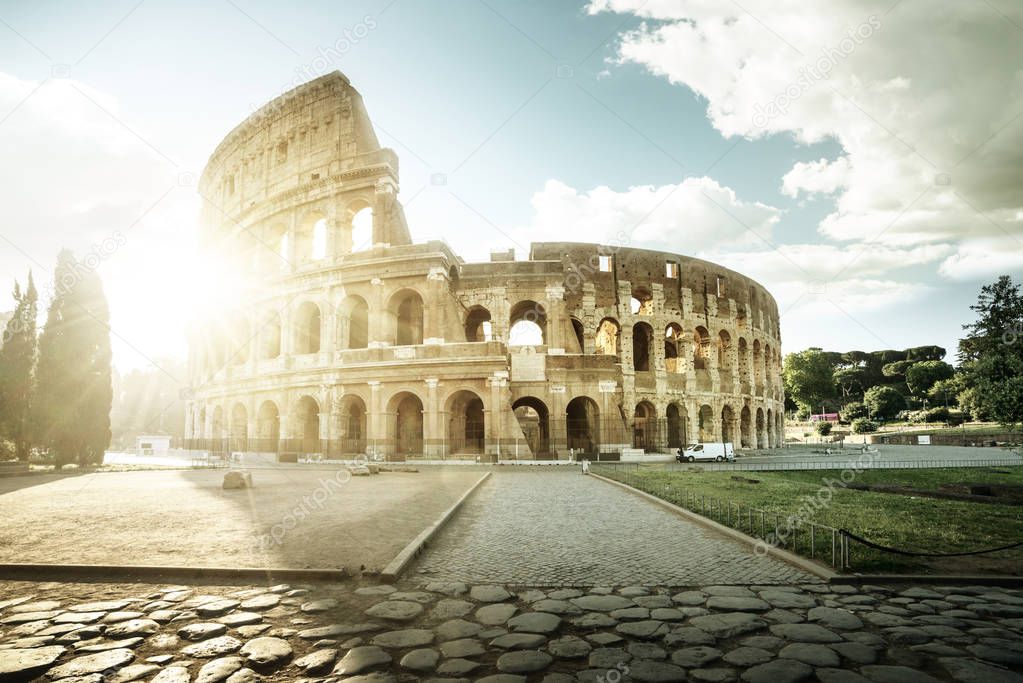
point(771, 442)
point(678, 425)
point(527, 324)
point(271, 337)
point(779, 429)
point(268, 426)
point(306, 425)
point(583, 425)
point(466, 431)
point(673, 360)
point(746, 428)
point(239, 427)
point(273, 250)
point(305, 237)
point(728, 424)
point(701, 349)
point(642, 301)
point(607, 337)
point(725, 360)
point(644, 427)
point(406, 427)
point(362, 229)
point(319, 241)
point(758, 367)
point(761, 429)
point(767, 365)
point(217, 431)
point(352, 427)
point(579, 337)
point(642, 337)
point(534, 420)
point(478, 327)
point(706, 426)
point(407, 310)
point(307, 328)
point(353, 323)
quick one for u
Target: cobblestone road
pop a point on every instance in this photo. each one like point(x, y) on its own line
point(562, 528)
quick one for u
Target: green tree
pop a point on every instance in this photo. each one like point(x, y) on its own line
point(74, 385)
point(923, 375)
point(992, 352)
point(883, 402)
point(17, 370)
point(946, 391)
point(809, 378)
point(850, 380)
point(823, 427)
point(854, 410)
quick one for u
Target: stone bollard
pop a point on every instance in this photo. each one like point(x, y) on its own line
point(235, 479)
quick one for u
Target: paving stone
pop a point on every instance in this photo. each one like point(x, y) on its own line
point(93, 663)
point(202, 631)
point(336, 630)
point(172, 674)
point(374, 677)
point(489, 593)
point(214, 647)
point(421, 660)
point(835, 618)
point(695, 657)
point(689, 598)
point(855, 652)
point(457, 628)
point(630, 613)
point(650, 671)
point(502, 678)
point(26, 617)
point(411, 637)
point(43, 606)
point(450, 608)
point(998, 655)
point(122, 615)
point(593, 620)
point(317, 606)
point(647, 629)
point(132, 627)
point(805, 633)
point(728, 625)
point(523, 661)
point(782, 616)
point(457, 666)
point(569, 647)
point(495, 614)
point(464, 647)
point(713, 675)
point(360, 659)
point(244, 675)
point(811, 653)
point(26, 664)
point(906, 635)
point(132, 672)
point(896, 674)
point(519, 641)
point(783, 599)
point(778, 671)
point(532, 595)
point(555, 606)
point(667, 614)
point(447, 587)
point(395, 610)
point(266, 653)
point(726, 603)
point(216, 608)
point(382, 589)
point(318, 661)
point(534, 622)
point(219, 669)
point(646, 651)
point(101, 645)
point(558, 678)
point(825, 675)
point(747, 656)
point(608, 658)
point(604, 638)
point(689, 635)
point(653, 601)
point(78, 617)
point(972, 671)
point(236, 619)
point(602, 603)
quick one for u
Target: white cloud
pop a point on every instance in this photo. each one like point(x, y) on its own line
point(672, 217)
point(925, 104)
point(982, 259)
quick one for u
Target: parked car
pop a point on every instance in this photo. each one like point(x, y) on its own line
point(715, 450)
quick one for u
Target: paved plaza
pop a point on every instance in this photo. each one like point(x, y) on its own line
point(558, 527)
point(293, 518)
point(453, 632)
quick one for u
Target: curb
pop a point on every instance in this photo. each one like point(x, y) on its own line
point(105, 572)
point(394, 568)
point(797, 561)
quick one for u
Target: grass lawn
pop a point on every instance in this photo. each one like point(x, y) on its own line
point(905, 522)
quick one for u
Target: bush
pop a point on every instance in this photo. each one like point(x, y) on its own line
point(863, 426)
point(939, 414)
point(854, 410)
point(7, 450)
point(823, 427)
point(883, 402)
point(803, 414)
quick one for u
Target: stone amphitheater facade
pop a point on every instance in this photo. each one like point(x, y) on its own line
point(346, 343)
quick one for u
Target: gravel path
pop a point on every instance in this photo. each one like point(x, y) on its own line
point(563, 528)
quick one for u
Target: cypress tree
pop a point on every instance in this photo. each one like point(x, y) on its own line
point(54, 411)
point(94, 382)
point(17, 370)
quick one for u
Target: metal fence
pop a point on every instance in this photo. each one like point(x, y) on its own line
point(873, 463)
point(816, 541)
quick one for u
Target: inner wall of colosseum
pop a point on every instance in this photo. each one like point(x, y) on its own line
point(351, 339)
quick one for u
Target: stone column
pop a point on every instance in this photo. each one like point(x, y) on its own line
point(435, 306)
point(376, 436)
point(379, 335)
point(556, 318)
point(434, 438)
point(493, 416)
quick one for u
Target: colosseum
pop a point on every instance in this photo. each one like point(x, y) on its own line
point(351, 339)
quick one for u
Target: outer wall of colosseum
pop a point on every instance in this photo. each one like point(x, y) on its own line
point(351, 339)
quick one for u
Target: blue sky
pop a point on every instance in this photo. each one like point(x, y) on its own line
point(557, 120)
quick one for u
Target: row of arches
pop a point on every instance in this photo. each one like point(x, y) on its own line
point(311, 240)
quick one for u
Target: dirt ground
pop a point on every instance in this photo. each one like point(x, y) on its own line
point(291, 518)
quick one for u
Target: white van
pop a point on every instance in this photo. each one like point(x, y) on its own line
point(715, 450)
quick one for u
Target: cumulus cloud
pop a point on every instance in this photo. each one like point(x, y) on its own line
point(674, 217)
point(926, 105)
